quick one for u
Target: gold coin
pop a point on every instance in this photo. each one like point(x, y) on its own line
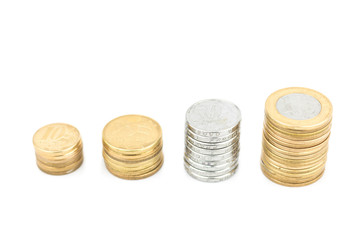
point(135, 177)
point(58, 148)
point(296, 134)
point(62, 163)
point(289, 184)
point(135, 171)
point(294, 143)
point(288, 177)
point(57, 138)
point(132, 134)
point(132, 166)
point(60, 170)
point(286, 171)
point(296, 152)
point(293, 164)
point(292, 150)
point(299, 158)
point(132, 147)
point(317, 122)
point(134, 157)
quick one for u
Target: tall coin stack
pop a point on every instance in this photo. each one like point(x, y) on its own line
point(58, 148)
point(212, 134)
point(296, 136)
point(133, 147)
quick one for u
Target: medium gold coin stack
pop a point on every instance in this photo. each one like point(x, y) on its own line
point(58, 149)
point(296, 135)
point(132, 147)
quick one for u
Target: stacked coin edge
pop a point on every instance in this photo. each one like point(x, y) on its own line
point(211, 156)
point(133, 165)
point(294, 152)
point(59, 162)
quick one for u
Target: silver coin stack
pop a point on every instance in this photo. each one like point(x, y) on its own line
point(212, 134)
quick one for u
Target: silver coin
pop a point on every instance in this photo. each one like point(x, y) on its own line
point(200, 138)
point(298, 106)
point(217, 173)
point(213, 118)
point(202, 158)
point(212, 167)
point(213, 151)
point(211, 179)
point(212, 146)
point(213, 134)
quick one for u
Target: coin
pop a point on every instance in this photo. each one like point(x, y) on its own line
point(296, 135)
point(132, 147)
point(127, 176)
point(212, 152)
point(211, 139)
point(202, 158)
point(212, 146)
point(204, 170)
point(132, 134)
point(212, 134)
point(213, 118)
point(58, 148)
point(210, 179)
point(301, 110)
point(211, 166)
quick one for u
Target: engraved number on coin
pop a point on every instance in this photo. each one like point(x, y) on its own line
point(57, 136)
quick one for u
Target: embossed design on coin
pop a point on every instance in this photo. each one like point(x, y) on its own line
point(132, 147)
point(296, 133)
point(298, 106)
point(212, 140)
point(213, 116)
point(132, 132)
point(56, 137)
point(58, 149)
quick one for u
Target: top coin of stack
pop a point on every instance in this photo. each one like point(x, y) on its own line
point(58, 148)
point(212, 140)
point(133, 147)
point(296, 135)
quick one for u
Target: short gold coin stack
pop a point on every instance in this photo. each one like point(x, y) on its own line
point(132, 147)
point(58, 149)
point(296, 135)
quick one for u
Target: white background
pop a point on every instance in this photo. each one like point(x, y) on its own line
point(87, 62)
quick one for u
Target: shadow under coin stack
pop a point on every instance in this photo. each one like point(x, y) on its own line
point(58, 149)
point(212, 140)
point(296, 135)
point(133, 147)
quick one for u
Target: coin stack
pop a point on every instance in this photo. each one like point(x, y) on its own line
point(58, 148)
point(212, 133)
point(296, 136)
point(133, 147)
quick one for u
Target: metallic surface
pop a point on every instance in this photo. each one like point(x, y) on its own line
point(213, 118)
point(296, 135)
point(132, 147)
point(58, 148)
point(298, 106)
point(212, 133)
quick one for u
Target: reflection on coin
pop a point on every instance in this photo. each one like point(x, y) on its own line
point(210, 179)
point(212, 146)
point(214, 166)
point(298, 106)
point(132, 134)
point(212, 133)
point(211, 139)
point(58, 148)
point(213, 118)
point(296, 135)
point(132, 147)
